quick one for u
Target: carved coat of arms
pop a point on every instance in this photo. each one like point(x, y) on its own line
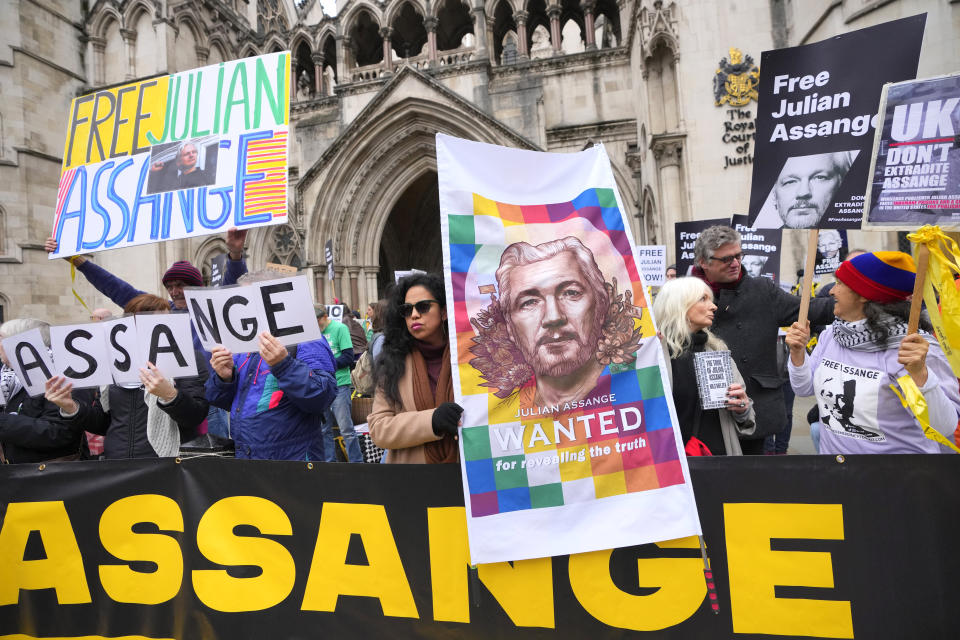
point(735, 82)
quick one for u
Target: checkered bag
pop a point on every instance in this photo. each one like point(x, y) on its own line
point(371, 452)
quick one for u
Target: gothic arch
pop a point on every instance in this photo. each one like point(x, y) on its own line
point(367, 176)
point(348, 22)
point(190, 22)
point(133, 11)
point(275, 44)
point(249, 51)
point(221, 47)
point(394, 8)
point(490, 6)
point(327, 31)
point(300, 36)
point(101, 21)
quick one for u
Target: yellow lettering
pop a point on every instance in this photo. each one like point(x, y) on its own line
point(217, 542)
point(754, 569)
point(524, 590)
point(382, 577)
point(121, 582)
point(61, 569)
point(679, 582)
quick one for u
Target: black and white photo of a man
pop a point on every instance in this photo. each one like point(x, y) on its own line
point(804, 189)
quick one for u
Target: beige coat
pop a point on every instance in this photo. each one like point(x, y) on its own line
point(402, 430)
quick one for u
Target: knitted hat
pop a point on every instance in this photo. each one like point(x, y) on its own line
point(881, 276)
point(183, 270)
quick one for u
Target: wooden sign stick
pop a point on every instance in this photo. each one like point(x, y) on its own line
point(923, 257)
point(808, 276)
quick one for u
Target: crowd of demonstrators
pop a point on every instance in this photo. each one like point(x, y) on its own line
point(685, 310)
point(144, 420)
point(749, 313)
point(358, 337)
point(31, 429)
point(276, 396)
point(414, 416)
point(338, 337)
point(863, 352)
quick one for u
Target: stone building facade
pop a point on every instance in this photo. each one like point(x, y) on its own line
point(375, 83)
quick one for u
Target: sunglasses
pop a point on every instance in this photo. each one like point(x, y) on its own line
point(728, 259)
point(406, 309)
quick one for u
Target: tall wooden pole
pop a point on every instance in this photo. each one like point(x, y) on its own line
point(923, 257)
point(808, 276)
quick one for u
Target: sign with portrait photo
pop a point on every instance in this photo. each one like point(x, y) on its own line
point(686, 234)
point(569, 440)
point(176, 156)
point(815, 116)
point(916, 157)
point(831, 250)
point(760, 247)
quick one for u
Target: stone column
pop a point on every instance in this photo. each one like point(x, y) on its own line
point(343, 47)
point(556, 39)
point(588, 6)
point(386, 33)
point(354, 287)
point(667, 153)
point(370, 278)
point(293, 79)
point(129, 47)
point(98, 46)
point(482, 47)
point(318, 62)
point(430, 24)
point(202, 54)
point(520, 17)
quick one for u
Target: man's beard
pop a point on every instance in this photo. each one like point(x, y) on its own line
point(557, 365)
point(802, 216)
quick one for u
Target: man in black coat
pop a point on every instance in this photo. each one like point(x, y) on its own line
point(749, 313)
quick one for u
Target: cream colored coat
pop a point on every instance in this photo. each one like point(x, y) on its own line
point(402, 430)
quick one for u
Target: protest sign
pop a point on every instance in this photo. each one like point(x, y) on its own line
point(235, 316)
point(121, 338)
point(218, 268)
point(176, 156)
point(569, 440)
point(335, 312)
point(916, 159)
point(165, 340)
point(814, 119)
point(761, 249)
point(79, 354)
point(714, 371)
point(831, 250)
point(653, 264)
point(398, 275)
point(328, 258)
point(29, 359)
point(686, 234)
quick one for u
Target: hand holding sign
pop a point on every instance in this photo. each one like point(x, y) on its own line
point(271, 350)
point(155, 382)
point(60, 392)
point(737, 400)
point(222, 362)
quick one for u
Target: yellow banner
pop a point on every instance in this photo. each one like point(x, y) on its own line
point(944, 316)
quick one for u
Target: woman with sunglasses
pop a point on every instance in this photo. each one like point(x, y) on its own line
point(414, 415)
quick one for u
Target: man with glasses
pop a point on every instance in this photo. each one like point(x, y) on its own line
point(749, 312)
point(337, 336)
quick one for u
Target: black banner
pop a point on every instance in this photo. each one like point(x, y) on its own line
point(815, 117)
point(685, 235)
point(761, 249)
point(916, 176)
point(801, 546)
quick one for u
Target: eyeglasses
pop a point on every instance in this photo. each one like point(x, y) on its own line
point(406, 309)
point(728, 259)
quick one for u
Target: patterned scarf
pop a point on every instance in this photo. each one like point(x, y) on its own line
point(10, 384)
point(856, 335)
point(446, 449)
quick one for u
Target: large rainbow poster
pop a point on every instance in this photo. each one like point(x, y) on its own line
point(569, 441)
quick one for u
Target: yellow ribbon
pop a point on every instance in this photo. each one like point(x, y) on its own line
point(73, 281)
point(914, 402)
point(944, 317)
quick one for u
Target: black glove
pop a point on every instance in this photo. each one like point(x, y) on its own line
point(446, 418)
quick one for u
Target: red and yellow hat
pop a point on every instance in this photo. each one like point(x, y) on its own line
point(881, 276)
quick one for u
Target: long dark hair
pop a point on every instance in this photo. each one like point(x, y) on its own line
point(878, 324)
point(397, 343)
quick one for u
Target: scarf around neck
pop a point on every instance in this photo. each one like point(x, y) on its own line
point(446, 449)
point(10, 384)
point(716, 287)
point(858, 337)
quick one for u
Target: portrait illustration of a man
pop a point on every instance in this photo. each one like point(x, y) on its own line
point(805, 187)
point(557, 323)
point(754, 264)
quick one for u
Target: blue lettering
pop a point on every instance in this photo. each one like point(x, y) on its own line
point(164, 218)
point(124, 209)
point(187, 198)
point(81, 212)
point(97, 207)
point(153, 201)
point(205, 222)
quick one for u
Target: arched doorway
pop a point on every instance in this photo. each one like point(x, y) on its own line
point(411, 237)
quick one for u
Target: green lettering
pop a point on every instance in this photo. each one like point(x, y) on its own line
point(277, 99)
point(194, 133)
point(238, 72)
point(166, 119)
point(216, 109)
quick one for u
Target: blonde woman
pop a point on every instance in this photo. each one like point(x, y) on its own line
point(684, 314)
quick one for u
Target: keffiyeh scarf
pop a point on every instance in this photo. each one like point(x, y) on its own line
point(856, 335)
point(10, 384)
